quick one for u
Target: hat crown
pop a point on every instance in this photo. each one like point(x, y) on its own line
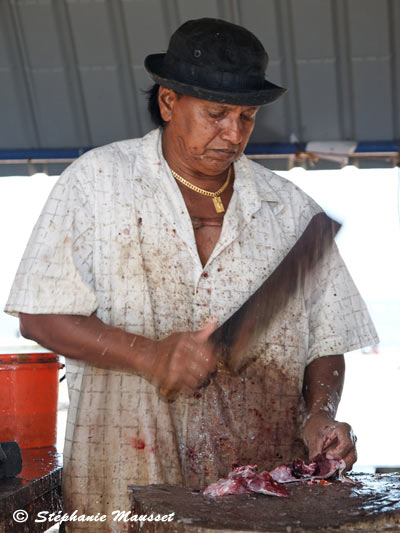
point(218, 45)
point(215, 60)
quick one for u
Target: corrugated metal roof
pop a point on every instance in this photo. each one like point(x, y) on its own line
point(72, 75)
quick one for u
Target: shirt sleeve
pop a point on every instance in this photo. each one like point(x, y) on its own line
point(55, 275)
point(339, 321)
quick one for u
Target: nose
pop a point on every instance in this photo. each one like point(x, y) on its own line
point(232, 131)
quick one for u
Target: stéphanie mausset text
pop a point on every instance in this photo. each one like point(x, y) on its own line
point(117, 516)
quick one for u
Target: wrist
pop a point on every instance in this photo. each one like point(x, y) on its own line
point(319, 414)
point(142, 353)
point(323, 407)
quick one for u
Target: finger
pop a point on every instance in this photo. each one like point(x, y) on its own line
point(329, 442)
point(331, 438)
point(345, 443)
point(193, 382)
point(208, 360)
point(341, 450)
point(202, 335)
point(321, 440)
point(350, 459)
point(206, 356)
point(197, 369)
point(315, 446)
point(189, 384)
point(188, 381)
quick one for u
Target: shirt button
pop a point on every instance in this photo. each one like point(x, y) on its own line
point(205, 275)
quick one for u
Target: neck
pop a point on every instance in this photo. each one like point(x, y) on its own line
point(193, 170)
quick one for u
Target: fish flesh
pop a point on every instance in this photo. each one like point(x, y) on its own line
point(245, 480)
point(320, 468)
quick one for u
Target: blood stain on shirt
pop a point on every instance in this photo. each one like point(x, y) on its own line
point(138, 444)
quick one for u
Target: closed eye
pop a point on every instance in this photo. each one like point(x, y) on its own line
point(217, 115)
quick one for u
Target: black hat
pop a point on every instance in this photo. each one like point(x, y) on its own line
point(215, 60)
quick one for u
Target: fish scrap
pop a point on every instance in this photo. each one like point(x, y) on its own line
point(245, 480)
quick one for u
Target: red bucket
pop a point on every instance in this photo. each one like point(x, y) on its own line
point(28, 398)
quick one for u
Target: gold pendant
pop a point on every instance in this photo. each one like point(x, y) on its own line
point(219, 206)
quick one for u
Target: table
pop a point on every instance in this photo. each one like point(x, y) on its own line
point(372, 506)
point(36, 488)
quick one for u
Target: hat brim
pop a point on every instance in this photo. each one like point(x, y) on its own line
point(266, 95)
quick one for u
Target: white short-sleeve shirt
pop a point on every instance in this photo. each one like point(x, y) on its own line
point(115, 238)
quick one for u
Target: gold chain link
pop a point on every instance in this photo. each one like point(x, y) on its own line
point(202, 191)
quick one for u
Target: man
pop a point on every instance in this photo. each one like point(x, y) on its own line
point(146, 246)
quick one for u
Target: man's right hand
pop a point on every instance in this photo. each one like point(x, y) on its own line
point(178, 362)
point(181, 361)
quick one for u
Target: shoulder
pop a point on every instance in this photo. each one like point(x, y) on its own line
point(113, 162)
point(125, 151)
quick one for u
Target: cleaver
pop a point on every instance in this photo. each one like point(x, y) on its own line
point(241, 330)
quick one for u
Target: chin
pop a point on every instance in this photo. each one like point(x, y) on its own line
point(215, 165)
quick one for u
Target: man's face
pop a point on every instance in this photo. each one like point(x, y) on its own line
point(205, 136)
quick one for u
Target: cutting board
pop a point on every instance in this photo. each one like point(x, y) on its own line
point(374, 505)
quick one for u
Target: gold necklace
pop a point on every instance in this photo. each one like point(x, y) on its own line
point(219, 206)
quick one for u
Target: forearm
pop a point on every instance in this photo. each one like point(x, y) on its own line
point(182, 360)
point(323, 384)
point(88, 339)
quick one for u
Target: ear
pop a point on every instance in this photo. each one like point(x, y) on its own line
point(166, 102)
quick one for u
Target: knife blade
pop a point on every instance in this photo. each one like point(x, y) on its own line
point(242, 329)
point(252, 319)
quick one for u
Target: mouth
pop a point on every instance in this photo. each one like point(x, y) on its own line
point(223, 154)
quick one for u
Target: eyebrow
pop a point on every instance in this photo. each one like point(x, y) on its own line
point(227, 107)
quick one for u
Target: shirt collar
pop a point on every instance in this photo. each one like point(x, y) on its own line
point(257, 185)
point(246, 181)
point(251, 188)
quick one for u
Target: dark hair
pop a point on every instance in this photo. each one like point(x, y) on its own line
point(152, 105)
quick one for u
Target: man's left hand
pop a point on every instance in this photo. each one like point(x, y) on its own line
point(336, 439)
